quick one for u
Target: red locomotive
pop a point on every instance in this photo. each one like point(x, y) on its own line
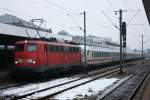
point(40, 56)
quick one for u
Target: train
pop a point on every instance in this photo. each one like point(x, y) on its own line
point(46, 57)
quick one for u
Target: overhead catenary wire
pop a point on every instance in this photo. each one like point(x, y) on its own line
point(16, 12)
point(74, 21)
point(140, 23)
point(67, 11)
point(125, 2)
point(56, 5)
point(144, 42)
point(110, 3)
point(132, 18)
point(48, 2)
point(99, 25)
point(110, 20)
point(69, 15)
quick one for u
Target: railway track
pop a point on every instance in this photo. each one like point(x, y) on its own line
point(50, 93)
point(62, 88)
point(12, 85)
point(58, 88)
point(118, 84)
point(31, 91)
point(139, 86)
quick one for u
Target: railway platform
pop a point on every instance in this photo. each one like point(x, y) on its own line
point(4, 75)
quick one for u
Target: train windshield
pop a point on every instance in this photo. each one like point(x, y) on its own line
point(19, 47)
point(32, 47)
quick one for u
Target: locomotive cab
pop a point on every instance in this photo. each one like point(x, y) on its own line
point(26, 54)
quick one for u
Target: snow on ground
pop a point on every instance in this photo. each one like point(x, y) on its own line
point(32, 87)
point(56, 89)
point(89, 89)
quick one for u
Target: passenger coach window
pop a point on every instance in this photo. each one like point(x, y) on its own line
point(32, 47)
point(19, 47)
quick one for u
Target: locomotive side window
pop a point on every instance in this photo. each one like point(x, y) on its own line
point(57, 48)
point(78, 50)
point(19, 47)
point(45, 48)
point(61, 49)
point(74, 49)
point(51, 48)
point(66, 49)
point(32, 47)
point(70, 49)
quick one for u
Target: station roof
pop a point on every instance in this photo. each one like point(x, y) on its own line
point(13, 20)
point(147, 8)
point(9, 39)
point(14, 29)
point(9, 34)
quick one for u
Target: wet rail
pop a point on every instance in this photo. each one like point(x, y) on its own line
point(139, 85)
point(118, 84)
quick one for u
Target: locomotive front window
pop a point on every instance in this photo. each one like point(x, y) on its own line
point(19, 47)
point(32, 47)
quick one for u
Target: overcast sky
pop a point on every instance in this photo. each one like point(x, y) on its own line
point(55, 12)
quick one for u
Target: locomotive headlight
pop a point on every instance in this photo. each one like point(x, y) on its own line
point(16, 62)
point(25, 41)
point(33, 62)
